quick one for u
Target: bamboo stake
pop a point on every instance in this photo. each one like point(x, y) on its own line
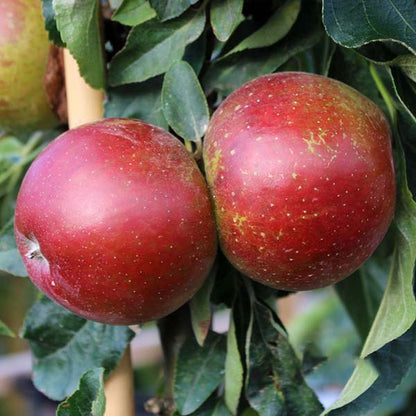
point(85, 105)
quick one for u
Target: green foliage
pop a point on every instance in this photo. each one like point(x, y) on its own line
point(79, 27)
point(66, 346)
point(89, 399)
point(184, 104)
point(171, 63)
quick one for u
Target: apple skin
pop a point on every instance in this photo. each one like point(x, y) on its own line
point(115, 223)
point(24, 50)
point(301, 172)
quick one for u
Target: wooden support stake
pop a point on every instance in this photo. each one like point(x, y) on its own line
point(85, 105)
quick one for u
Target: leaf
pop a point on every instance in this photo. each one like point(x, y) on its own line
point(10, 259)
point(397, 311)
point(184, 103)
point(133, 12)
point(353, 23)
point(200, 307)
point(230, 72)
point(275, 29)
point(168, 9)
point(233, 370)
point(274, 384)
point(365, 390)
point(141, 100)
point(50, 23)
point(5, 330)
point(78, 24)
point(225, 16)
point(66, 346)
point(89, 399)
point(198, 372)
point(152, 47)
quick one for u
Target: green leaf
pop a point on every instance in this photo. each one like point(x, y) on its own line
point(168, 9)
point(5, 330)
point(353, 23)
point(275, 29)
point(66, 346)
point(230, 72)
point(397, 311)
point(78, 22)
point(200, 307)
point(225, 16)
point(50, 23)
point(152, 47)
point(184, 103)
point(234, 382)
point(10, 259)
point(198, 372)
point(274, 384)
point(371, 384)
point(133, 12)
point(141, 100)
point(89, 399)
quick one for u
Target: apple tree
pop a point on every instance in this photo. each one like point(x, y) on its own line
point(201, 70)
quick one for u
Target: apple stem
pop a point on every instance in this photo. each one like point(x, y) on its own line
point(85, 105)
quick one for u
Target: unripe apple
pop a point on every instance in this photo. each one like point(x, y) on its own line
point(24, 49)
point(114, 222)
point(301, 172)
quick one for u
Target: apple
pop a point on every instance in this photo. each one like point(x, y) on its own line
point(115, 223)
point(301, 172)
point(24, 51)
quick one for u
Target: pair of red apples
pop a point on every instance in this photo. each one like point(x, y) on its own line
point(115, 221)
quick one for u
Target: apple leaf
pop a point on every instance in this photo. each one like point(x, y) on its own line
point(139, 100)
point(397, 311)
point(353, 23)
point(225, 16)
point(133, 12)
point(370, 383)
point(212, 407)
point(198, 372)
point(10, 260)
point(229, 72)
point(89, 399)
point(184, 104)
point(152, 47)
point(5, 330)
point(50, 23)
point(234, 370)
point(66, 346)
point(275, 29)
point(274, 383)
point(79, 25)
point(200, 308)
point(168, 9)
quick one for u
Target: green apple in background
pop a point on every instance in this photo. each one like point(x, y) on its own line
point(24, 51)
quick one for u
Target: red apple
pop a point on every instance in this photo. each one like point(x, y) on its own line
point(24, 50)
point(301, 172)
point(114, 222)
